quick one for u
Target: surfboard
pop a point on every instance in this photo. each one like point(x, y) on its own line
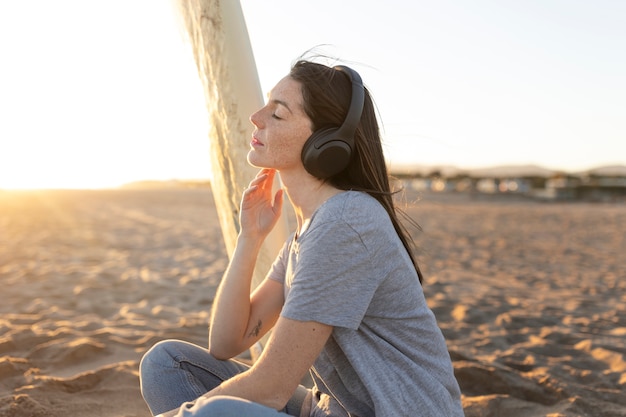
point(225, 61)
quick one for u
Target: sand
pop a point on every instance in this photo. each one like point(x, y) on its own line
point(530, 296)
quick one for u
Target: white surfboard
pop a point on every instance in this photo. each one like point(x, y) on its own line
point(226, 66)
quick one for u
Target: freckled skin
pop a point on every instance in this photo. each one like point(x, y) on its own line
point(282, 128)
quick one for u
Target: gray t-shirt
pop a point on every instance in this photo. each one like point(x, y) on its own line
point(386, 356)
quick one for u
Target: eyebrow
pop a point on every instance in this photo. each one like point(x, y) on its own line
point(282, 103)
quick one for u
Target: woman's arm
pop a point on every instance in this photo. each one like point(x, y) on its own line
point(290, 352)
point(239, 320)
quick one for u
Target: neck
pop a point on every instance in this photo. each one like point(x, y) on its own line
point(306, 194)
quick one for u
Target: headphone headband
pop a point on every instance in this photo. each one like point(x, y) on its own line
point(348, 128)
point(328, 151)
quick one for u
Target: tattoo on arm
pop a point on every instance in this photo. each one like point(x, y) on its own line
point(256, 330)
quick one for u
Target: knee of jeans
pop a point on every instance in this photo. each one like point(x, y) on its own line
point(160, 355)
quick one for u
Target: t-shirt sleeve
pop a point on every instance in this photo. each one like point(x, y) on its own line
point(332, 282)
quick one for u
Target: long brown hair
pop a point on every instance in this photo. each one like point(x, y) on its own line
point(326, 95)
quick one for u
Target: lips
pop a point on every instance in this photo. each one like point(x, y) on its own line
point(256, 142)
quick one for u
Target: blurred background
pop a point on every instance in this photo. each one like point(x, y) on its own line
point(97, 95)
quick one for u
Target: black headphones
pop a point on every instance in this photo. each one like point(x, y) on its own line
point(328, 150)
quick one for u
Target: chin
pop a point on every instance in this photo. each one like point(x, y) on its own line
point(254, 161)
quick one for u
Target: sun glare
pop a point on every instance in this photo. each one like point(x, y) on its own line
point(87, 107)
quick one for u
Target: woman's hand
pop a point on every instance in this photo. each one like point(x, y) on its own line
point(259, 209)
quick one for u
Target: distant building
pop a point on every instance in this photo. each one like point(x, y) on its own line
point(606, 184)
point(587, 188)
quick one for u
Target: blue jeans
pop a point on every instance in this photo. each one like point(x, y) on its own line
point(174, 374)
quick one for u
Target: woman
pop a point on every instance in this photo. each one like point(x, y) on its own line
point(343, 297)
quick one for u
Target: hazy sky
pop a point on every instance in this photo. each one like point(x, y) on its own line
point(100, 93)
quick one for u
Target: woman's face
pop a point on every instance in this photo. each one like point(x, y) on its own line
point(281, 129)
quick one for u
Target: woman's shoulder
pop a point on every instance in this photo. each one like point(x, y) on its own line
point(362, 202)
point(351, 206)
point(353, 198)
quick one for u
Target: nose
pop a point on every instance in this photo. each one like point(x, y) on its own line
point(254, 118)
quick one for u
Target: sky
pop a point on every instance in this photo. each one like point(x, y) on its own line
point(98, 94)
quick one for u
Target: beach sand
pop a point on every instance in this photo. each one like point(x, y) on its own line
point(530, 296)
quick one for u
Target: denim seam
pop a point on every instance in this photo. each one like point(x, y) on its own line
point(215, 372)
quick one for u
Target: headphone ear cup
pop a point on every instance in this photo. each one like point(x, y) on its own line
point(324, 155)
